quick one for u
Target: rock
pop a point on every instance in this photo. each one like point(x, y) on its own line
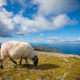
point(60, 77)
point(53, 72)
point(18, 69)
point(9, 78)
point(6, 70)
point(33, 69)
point(13, 67)
point(66, 60)
point(65, 74)
point(27, 79)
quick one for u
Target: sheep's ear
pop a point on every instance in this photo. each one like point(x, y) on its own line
point(36, 62)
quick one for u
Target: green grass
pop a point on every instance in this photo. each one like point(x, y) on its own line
point(48, 68)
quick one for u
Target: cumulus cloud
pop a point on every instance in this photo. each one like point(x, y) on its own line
point(62, 20)
point(47, 7)
point(23, 25)
point(2, 2)
point(6, 24)
point(39, 23)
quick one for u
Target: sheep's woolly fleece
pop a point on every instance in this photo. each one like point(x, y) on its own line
point(16, 49)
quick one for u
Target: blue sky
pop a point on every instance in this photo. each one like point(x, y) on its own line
point(40, 21)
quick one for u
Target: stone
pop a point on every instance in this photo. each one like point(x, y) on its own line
point(33, 69)
point(66, 60)
point(13, 67)
point(9, 78)
point(6, 70)
point(60, 77)
point(53, 72)
point(18, 69)
point(65, 74)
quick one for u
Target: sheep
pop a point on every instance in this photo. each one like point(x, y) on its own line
point(16, 50)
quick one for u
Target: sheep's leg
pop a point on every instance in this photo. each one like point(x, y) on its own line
point(20, 61)
point(1, 61)
point(26, 62)
point(13, 61)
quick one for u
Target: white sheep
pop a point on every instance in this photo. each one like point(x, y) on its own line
point(15, 50)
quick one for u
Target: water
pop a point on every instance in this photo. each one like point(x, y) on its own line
point(64, 48)
point(68, 49)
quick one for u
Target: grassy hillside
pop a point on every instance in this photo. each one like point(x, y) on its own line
point(49, 68)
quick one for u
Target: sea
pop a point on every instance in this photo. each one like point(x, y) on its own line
point(63, 48)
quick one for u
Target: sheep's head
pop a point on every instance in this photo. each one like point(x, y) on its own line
point(35, 60)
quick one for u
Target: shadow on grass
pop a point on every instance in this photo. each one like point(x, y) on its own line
point(42, 66)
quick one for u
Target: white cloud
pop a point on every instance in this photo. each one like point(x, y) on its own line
point(55, 39)
point(6, 23)
point(40, 23)
point(62, 20)
point(47, 7)
point(2, 2)
point(24, 25)
point(59, 39)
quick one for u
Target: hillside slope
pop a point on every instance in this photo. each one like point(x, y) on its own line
point(50, 67)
